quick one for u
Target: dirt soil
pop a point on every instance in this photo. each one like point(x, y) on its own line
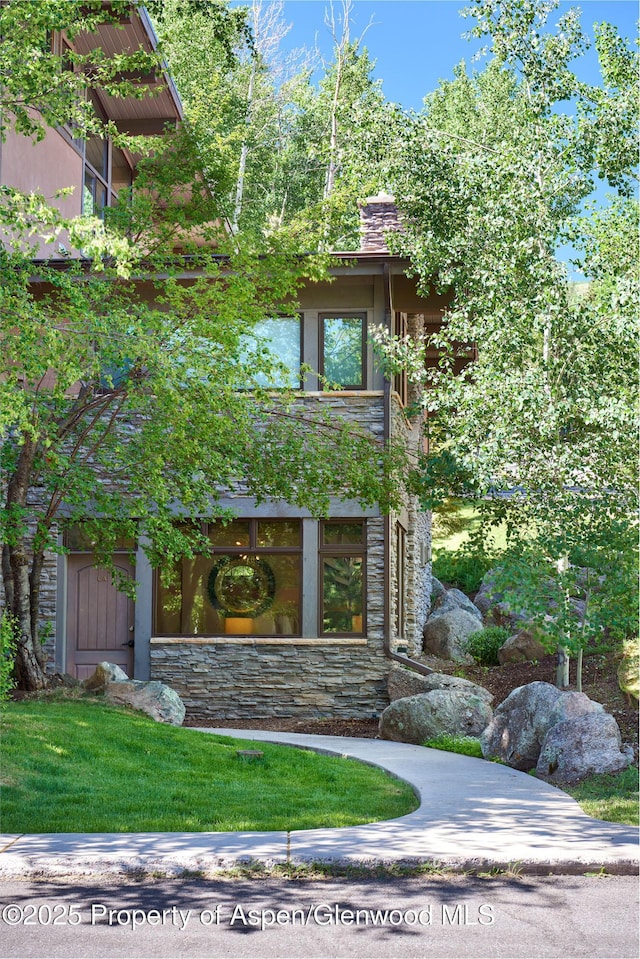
point(599, 682)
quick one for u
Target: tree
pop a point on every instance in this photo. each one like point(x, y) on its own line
point(132, 393)
point(493, 180)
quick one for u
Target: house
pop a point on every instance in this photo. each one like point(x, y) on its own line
point(289, 615)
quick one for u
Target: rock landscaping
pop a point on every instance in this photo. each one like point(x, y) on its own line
point(565, 736)
point(454, 712)
point(153, 698)
point(445, 634)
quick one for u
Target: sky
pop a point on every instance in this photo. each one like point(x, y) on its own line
point(418, 42)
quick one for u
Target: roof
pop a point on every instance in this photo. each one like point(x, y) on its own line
point(133, 116)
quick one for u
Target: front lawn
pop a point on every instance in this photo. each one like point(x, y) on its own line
point(82, 766)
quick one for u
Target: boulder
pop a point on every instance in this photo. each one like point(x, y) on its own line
point(582, 746)
point(104, 673)
point(446, 634)
point(523, 647)
point(520, 724)
point(571, 706)
point(418, 718)
point(437, 590)
point(155, 699)
point(403, 683)
point(455, 599)
point(487, 596)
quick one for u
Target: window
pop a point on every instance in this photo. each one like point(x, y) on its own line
point(401, 580)
point(106, 172)
point(280, 337)
point(342, 577)
point(249, 585)
point(343, 350)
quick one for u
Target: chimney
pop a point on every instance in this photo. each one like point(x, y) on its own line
point(378, 215)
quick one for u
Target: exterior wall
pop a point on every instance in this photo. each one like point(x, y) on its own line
point(224, 678)
point(417, 525)
point(44, 168)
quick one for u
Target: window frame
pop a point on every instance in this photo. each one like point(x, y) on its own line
point(251, 549)
point(343, 315)
point(356, 550)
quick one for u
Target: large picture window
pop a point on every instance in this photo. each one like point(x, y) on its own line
point(343, 350)
point(342, 577)
point(249, 585)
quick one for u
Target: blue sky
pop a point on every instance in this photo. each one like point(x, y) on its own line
point(418, 42)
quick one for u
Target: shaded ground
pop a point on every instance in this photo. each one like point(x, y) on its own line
point(599, 682)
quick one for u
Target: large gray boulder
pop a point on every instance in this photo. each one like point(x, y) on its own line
point(582, 746)
point(520, 724)
point(455, 599)
point(523, 647)
point(446, 634)
point(418, 718)
point(403, 683)
point(104, 673)
point(155, 699)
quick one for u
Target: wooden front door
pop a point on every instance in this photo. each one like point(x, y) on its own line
point(100, 618)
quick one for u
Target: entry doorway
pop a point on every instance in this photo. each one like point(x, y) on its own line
point(100, 618)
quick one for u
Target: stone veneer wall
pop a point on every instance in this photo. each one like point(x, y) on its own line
point(418, 543)
point(257, 678)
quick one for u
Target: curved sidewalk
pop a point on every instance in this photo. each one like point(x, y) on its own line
point(472, 815)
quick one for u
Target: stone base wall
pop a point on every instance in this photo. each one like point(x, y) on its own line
point(252, 681)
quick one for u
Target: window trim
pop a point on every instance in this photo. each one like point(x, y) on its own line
point(255, 550)
point(337, 550)
point(344, 315)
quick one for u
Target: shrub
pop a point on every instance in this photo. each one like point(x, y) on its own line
point(462, 569)
point(484, 645)
point(466, 745)
point(7, 656)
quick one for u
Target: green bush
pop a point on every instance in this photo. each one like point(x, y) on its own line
point(462, 569)
point(7, 656)
point(484, 646)
point(466, 745)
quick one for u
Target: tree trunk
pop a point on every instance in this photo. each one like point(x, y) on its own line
point(244, 152)
point(579, 671)
point(562, 668)
point(30, 674)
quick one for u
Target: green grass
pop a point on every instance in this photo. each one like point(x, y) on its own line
point(465, 745)
point(611, 796)
point(82, 766)
point(458, 521)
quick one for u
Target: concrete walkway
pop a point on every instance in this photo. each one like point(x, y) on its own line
point(472, 815)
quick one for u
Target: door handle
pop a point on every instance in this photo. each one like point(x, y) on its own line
point(129, 642)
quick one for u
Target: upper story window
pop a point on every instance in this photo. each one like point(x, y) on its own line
point(343, 350)
point(281, 336)
point(106, 172)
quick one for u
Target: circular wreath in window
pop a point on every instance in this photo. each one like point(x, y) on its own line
point(241, 586)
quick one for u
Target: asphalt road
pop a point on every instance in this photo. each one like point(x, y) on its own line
point(453, 916)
